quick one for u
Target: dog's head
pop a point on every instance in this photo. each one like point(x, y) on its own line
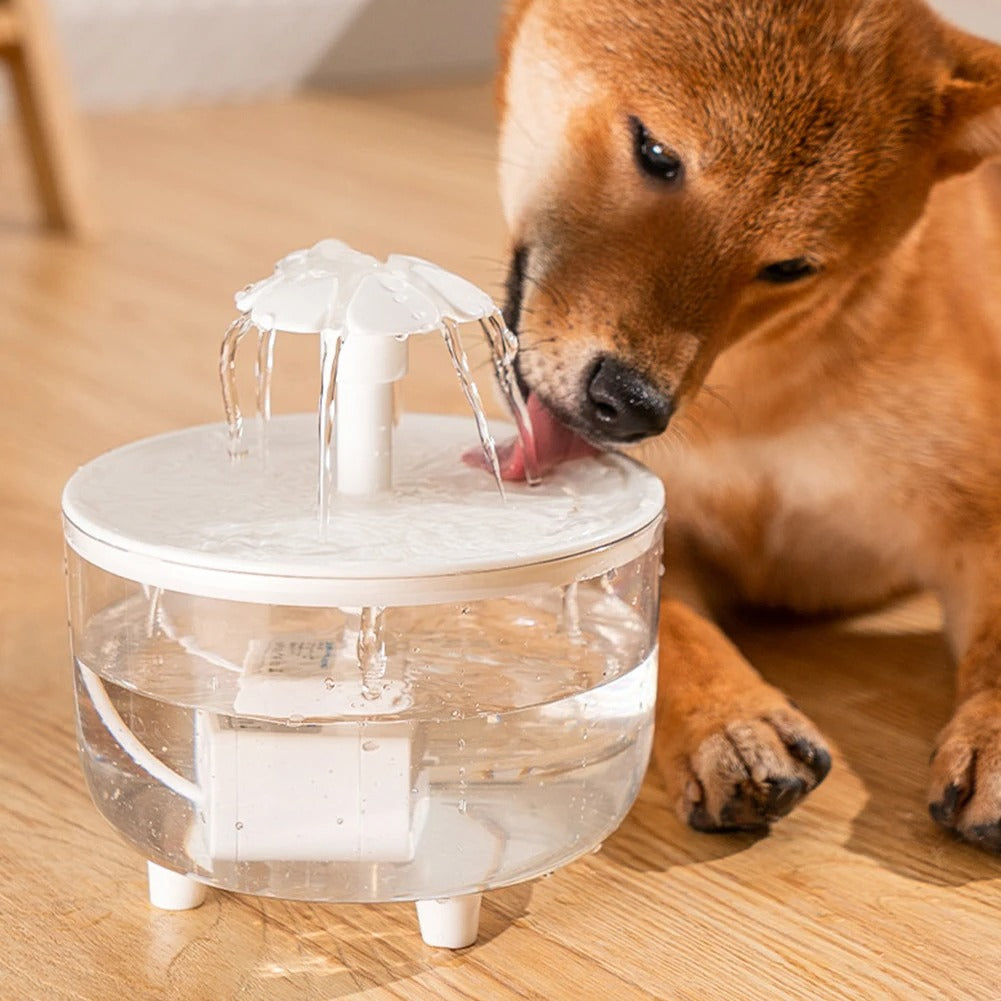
point(680, 174)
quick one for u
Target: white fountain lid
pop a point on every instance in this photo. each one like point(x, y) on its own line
point(174, 511)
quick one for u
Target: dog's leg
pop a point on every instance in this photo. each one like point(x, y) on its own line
point(733, 752)
point(965, 792)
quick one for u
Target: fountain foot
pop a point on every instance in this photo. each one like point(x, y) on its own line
point(451, 922)
point(172, 891)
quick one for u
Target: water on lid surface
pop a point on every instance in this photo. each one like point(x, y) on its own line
point(179, 497)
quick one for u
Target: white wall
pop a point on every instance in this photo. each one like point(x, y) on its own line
point(413, 40)
point(135, 53)
point(980, 16)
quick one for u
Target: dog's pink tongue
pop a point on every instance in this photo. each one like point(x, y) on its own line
point(554, 444)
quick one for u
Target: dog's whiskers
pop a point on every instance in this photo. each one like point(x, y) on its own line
point(716, 394)
point(558, 298)
point(535, 345)
point(690, 419)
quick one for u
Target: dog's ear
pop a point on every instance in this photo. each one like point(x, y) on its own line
point(970, 103)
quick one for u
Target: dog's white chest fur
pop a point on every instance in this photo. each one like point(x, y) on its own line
point(793, 519)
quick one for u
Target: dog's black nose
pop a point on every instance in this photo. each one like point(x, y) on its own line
point(622, 405)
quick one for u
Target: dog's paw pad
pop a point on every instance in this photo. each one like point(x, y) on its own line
point(965, 791)
point(807, 748)
point(947, 806)
point(754, 772)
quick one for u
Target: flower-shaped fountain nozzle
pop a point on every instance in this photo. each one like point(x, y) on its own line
point(364, 311)
point(332, 286)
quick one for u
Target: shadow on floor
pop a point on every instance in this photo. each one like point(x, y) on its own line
point(304, 950)
point(880, 698)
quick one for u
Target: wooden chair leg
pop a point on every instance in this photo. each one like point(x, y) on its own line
point(51, 130)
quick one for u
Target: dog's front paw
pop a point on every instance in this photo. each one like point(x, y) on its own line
point(965, 795)
point(749, 770)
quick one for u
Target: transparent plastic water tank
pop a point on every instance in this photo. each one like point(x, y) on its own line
point(377, 715)
point(321, 657)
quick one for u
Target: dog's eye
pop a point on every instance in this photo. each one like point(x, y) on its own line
point(654, 158)
point(787, 272)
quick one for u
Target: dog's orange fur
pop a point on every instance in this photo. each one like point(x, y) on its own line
point(836, 440)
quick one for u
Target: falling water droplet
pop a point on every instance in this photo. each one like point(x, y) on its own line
point(331, 342)
point(504, 350)
point(153, 613)
point(450, 335)
point(571, 612)
point(263, 370)
point(227, 375)
point(371, 651)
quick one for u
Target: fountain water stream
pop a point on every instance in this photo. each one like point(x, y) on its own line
point(341, 294)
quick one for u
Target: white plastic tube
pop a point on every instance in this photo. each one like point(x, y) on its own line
point(367, 368)
point(364, 437)
point(130, 744)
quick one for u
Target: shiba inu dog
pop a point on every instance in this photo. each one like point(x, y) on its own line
point(770, 231)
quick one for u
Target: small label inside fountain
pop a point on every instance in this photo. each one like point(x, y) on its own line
point(302, 656)
point(303, 676)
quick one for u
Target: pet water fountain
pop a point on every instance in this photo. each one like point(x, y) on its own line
point(320, 657)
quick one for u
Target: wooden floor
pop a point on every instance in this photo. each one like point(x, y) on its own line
point(855, 896)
